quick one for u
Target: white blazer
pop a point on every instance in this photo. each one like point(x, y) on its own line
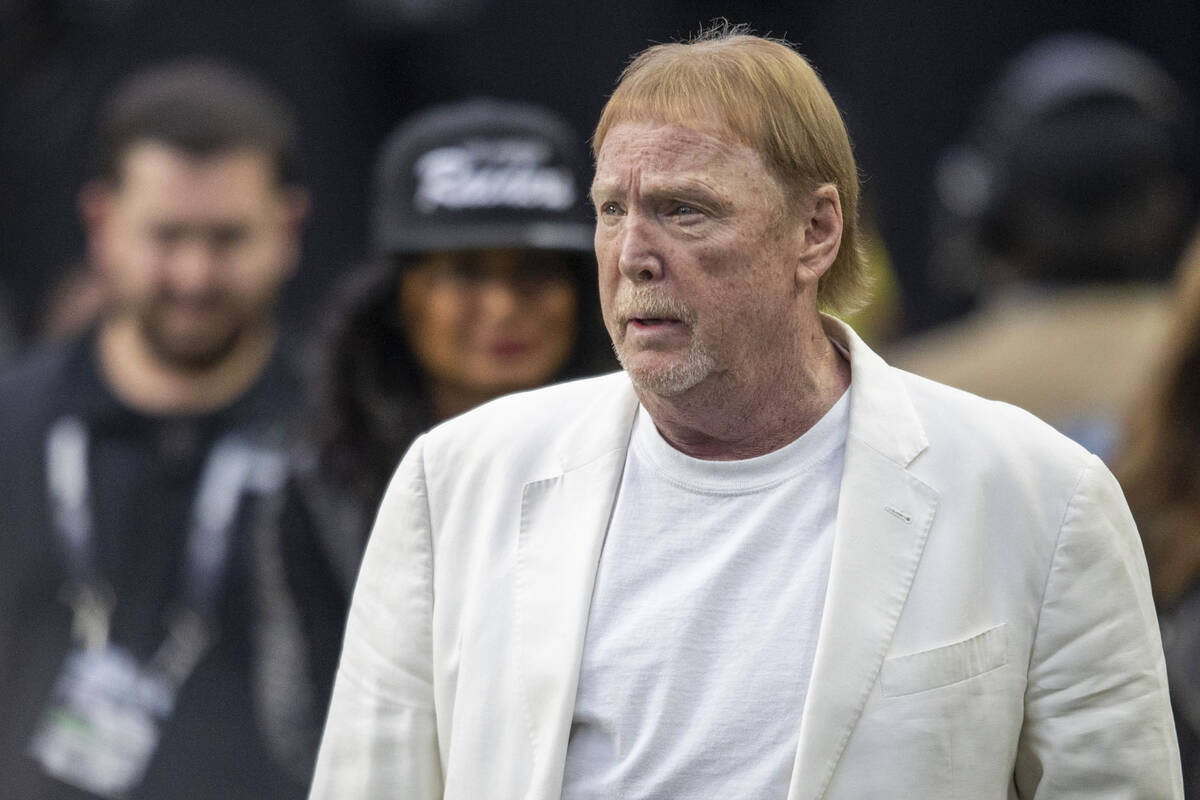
point(988, 631)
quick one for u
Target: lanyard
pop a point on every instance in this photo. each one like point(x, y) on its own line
point(232, 466)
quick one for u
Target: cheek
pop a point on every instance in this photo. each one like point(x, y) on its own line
point(261, 266)
point(608, 285)
point(559, 328)
point(607, 252)
point(448, 318)
point(130, 267)
point(436, 320)
point(552, 333)
point(557, 313)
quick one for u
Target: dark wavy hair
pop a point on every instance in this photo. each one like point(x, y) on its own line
point(372, 399)
point(1159, 465)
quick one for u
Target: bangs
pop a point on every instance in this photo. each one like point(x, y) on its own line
point(682, 90)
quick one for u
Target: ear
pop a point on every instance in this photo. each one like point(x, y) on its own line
point(822, 231)
point(96, 201)
point(295, 203)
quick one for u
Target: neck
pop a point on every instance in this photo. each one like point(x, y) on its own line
point(446, 401)
point(147, 383)
point(726, 418)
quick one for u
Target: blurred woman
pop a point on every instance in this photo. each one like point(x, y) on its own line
point(484, 284)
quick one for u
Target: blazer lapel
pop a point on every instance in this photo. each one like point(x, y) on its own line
point(884, 516)
point(563, 522)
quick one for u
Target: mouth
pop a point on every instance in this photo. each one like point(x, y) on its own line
point(193, 304)
point(646, 323)
point(509, 348)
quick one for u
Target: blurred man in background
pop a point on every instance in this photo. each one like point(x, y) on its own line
point(1065, 212)
point(126, 665)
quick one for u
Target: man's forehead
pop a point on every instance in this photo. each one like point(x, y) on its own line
point(153, 157)
point(659, 147)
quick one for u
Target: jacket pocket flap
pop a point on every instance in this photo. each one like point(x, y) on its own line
point(941, 666)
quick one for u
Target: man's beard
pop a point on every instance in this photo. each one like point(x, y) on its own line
point(191, 352)
point(694, 366)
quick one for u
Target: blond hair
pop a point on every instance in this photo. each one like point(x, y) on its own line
point(768, 97)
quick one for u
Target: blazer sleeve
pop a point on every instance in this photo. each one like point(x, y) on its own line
point(1097, 716)
point(380, 738)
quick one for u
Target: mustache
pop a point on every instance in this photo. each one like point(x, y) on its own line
point(204, 299)
point(644, 302)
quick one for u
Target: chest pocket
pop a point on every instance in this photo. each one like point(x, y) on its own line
point(942, 666)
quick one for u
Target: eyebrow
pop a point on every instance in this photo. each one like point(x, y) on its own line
point(600, 185)
point(671, 188)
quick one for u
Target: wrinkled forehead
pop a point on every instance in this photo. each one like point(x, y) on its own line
point(656, 154)
point(736, 127)
point(698, 114)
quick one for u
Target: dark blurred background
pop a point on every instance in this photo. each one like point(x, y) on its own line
point(906, 74)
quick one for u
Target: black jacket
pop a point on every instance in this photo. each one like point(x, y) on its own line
point(143, 472)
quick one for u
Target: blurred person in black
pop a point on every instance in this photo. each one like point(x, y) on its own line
point(483, 284)
point(1064, 212)
point(1159, 469)
point(132, 454)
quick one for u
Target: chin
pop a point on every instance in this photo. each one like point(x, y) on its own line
point(668, 380)
point(516, 374)
point(510, 383)
point(193, 353)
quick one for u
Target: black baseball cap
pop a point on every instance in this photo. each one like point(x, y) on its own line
point(481, 174)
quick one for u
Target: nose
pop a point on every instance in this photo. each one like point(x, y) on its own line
point(499, 299)
point(194, 267)
point(639, 259)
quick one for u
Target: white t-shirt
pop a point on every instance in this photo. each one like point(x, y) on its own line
point(704, 620)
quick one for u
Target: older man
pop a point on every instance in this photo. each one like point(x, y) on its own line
point(758, 562)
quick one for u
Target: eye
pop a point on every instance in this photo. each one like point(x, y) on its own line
point(685, 212)
point(463, 269)
point(167, 234)
point(225, 237)
point(609, 209)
